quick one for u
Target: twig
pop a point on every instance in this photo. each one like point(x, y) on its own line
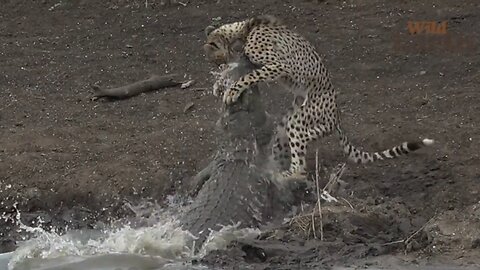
point(408, 239)
point(303, 220)
point(313, 225)
point(349, 204)
point(394, 242)
point(334, 178)
point(318, 196)
point(419, 230)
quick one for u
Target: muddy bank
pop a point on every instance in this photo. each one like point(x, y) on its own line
point(73, 161)
point(379, 236)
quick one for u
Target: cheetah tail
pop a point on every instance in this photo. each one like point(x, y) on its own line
point(359, 156)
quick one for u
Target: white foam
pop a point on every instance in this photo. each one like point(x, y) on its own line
point(219, 240)
point(163, 239)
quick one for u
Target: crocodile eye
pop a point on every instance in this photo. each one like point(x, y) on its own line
point(213, 44)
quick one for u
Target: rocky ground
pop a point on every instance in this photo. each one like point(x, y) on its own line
point(71, 160)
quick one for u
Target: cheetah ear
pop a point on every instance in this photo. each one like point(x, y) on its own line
point(209, 30)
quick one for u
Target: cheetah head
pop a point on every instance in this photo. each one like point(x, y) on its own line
point(218, 48)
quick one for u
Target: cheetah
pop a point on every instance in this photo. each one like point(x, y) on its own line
point(284, 56)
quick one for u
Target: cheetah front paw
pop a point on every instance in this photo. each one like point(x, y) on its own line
point(231, 96)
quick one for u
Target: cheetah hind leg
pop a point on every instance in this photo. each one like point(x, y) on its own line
point(281, 146)
point(298, 147)
point(297, 169)
point(298, 144)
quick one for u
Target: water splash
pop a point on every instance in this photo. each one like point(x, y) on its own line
point(218, 240)
point(223, 80)
point(162, 239)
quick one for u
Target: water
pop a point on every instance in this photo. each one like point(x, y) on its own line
point(161, 244)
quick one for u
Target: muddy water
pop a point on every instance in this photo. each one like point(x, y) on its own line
point(159, 243)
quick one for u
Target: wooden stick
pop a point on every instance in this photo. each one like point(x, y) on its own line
point(318, 195)
point(155, 82)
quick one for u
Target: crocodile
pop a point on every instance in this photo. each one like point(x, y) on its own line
point(237, 187)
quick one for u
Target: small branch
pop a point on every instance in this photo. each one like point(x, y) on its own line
point(155, 82)
point(332, 182)
point(335, 177)
point(318, 196)
point(394, 243)
point(408, 239)
point(313, 225)
point(349, 204)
